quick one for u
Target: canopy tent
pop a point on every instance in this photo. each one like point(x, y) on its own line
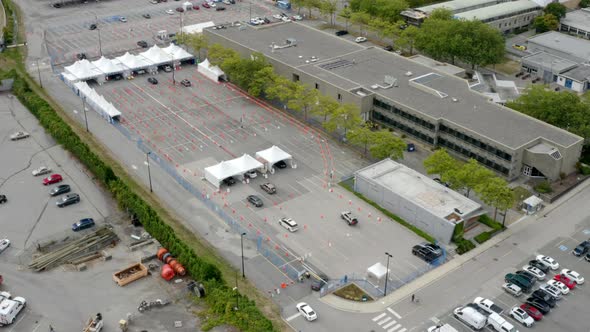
point(187, 6)
point(532, 204)
point(157, 56)
point(133, 62)
point(210, 71)
point(197, 28)
point(378, 271)
point(83, 70)
point(272, 155)
point(107, 66)
point(69, 79)
point(177, 52)
point(96, 101)
point(217, 173)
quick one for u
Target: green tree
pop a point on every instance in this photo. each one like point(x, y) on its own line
point(441, 14)
point(387, 145)
point(280, 88)
point(379, 26)
point(196, 41)
point(241, 71)
point(346, 14)
point(495, 192)
point(360, 18)
point(407, 39)
point(479, 44)
point(546, 23)
point(584, 3)
point(440, 162)
point(556, 9)
point(261, 81)
point(298, 4)
point(325, 106)
point(346, 117)
point(218, 54)
point(362, 135)
point(469, 176)
point(303, 98)
point(329, 7)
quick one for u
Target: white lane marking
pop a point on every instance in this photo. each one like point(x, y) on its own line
point(383, 321)
point(402, 330)
point(394, 313)
point(389, 324)
point(293, 317)
point(379, 317)
point(395, 328)
point(133, 166)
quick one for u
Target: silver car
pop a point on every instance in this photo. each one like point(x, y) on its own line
point(19, 135)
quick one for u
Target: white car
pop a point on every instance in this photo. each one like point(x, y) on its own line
point(534, 271)
point(123, 19)
point(512, 289)
point(573, 275)
point(286, 19)
point(360, 40)
point(551, 290)
point(548, 261)
point(521, 316)
point(5, 243)
point(41, 171)
point(297, 17)
point(559, 285)
point(278, 16)
point(306, 311)
point(251, 174)
point(212, 4)
point(19, 135)
point(170, 12)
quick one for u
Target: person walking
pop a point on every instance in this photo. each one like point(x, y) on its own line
point(51, 328)
point(413, 297)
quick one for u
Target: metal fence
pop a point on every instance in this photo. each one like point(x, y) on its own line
point(277, 255)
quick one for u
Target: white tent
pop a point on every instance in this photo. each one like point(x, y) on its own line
point(107, 66)
point(197, 28)
point(177, 52)
point(239, 166)
point(96, 101)
point(187, 6)
point(134, 62)
point(272, 155)
point(83, 70)
point(156, 55)
point(210, 71)
point(378, 271)
point(245, 163)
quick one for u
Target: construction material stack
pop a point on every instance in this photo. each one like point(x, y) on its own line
point(94, 324)
point(130, 274)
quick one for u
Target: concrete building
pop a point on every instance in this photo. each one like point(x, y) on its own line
point(459, 6)
point(562, 45)
point(577, 23)
point(416, 198)
point(507, 16)
point(417, 100)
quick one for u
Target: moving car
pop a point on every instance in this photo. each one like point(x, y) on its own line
point(58, 190)
point(281, 164)
point(522, 317)
point(341, 32)
point(581, 249)
point(41, 171)
point(142, 43)
point(3, 199)
point(53, 178)
point(68, 199)
point(512, 289)
point(349, 218)
point(4, 243)
point(573, 275)
point(551, 290)
point(289, 224)
point(534, 271)
point(269, 188)
point(255, 200)
point(306, 311)
point(565, 280)
point(360, 39)
point(434, 248)
point(532, 311)
point(548, 261)
point(83, 224)
point(559, 285)
point(185, 83)
point(19, 135)
point(152, 80)
point(539, 265)
point(317, 284)
point(123, 19)
point(539, 304)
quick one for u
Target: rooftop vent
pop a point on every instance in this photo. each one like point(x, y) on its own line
point(409, 73)
point(455, 100)
point(458, 211)
point(389, 82)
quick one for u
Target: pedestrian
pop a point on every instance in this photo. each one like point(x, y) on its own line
point(413, 297)
point(51, 328)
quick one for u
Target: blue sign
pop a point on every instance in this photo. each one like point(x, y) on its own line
point(562, 248)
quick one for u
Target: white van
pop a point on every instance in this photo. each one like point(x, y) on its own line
point(289, 224)
point(470, 317)
point(500, 324)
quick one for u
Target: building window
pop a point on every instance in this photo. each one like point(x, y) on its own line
point(339, 97)
point(317, 86)
point(295, 78)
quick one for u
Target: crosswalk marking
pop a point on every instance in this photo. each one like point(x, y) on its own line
point(385, 320)
point(293, 317)
point(394, 313)
point(395, 328)
point(402, 330)
point(379, 317)
point(389, 324)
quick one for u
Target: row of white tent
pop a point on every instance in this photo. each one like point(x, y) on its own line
point(96, 101)
point(238, 167)
point(100, 69)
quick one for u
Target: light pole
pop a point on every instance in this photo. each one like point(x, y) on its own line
point(386, 273)
point(242, 241)
point(147, 159)
point(84, 111)
point(98, 30)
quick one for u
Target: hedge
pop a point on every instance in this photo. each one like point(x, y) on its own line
point(8, 31)
point(463, 245)
point(483, 237)
point(486, 220)
point(220, 298)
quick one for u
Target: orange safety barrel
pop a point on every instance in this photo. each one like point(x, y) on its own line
point(179, 269)
point(165, 256)
point(168, 259)
point(161, 253)
point(167, 272)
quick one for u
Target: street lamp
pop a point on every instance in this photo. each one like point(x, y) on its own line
point(387, 273)
point(242, 241)
point(84, 110)
point(147, 159)
point(98, 30)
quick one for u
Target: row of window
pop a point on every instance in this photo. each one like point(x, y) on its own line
point(520, 12)
point(389, 121)
point(471, 154)
point(475, 142)
point(405, 115)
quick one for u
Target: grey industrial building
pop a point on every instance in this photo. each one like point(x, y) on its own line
point(418, 100)
point(416, 198)
point(577, 23)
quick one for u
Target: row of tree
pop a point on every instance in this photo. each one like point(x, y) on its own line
point(552, 14)
point(220, 298)
point(471, 176)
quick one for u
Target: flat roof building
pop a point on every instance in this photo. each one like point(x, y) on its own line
point(418, 100)
point(416, 198)
point(459, 6)
point(507, 16)
point(577, 23)
point(560, 44)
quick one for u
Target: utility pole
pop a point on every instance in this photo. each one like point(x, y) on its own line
point(386, 273)
point(242, 241)
point(147, 159)
point(84, 110)
point(98, 30)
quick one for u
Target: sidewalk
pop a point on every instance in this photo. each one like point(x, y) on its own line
point(432, 276)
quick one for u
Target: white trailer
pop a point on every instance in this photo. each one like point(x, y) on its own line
point(9, 309)
point(442, 328)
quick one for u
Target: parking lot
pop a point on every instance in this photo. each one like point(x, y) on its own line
point(568, 314)
point(64, 297)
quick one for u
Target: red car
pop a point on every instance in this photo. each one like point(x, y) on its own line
point(205, 5)
point(565, 280)
point(196, 7)
point(53, 178)
point(532, 311)
point(180, 9)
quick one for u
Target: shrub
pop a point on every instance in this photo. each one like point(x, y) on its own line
point(583, 168)
point(544, 187)
point(464, 245)
point(458, 231)
point(482, 237)
point(486, 220)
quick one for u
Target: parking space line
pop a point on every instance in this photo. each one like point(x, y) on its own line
point(394, 313)
point(379, 317)
point(290, 318)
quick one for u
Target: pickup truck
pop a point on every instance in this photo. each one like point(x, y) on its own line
point(10, 308)
point(349, 218)
point(488, 305)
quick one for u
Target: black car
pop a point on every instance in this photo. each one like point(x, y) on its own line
point(61, 189)
point(81, 56)
point(388, 48)
point(152, 80)
point(92, 27)
point(68, 199)
point(281, 164)
point(57, 5)
point(423, 253)
point(317, 284)
point(266, 20)
point(219, 8)
point(3, 199)
point(539, 265)
point(543, 307)
point(548, 298)
point(435, 249)
point(587, 257)
point(411, 147)
point(142, 43)
point(582, 248)
point(341, 32)
point(255, 200)
point(229, 181)
point(185, 83)
point(531, 278)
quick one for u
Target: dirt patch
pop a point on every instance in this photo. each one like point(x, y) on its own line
point(354, 293)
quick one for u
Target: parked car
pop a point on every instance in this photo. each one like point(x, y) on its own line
point(281, 164)
point(146, 15)
point(185, 83)
point(512, 289)
point(53, 178)
point(289, 224)
point(4, 243)
point(539, 265)
point(587, 257)
point(534, 271)
point(559, 285)
point(83, 224)
point(196, 7)
point(142, 44)
point(540, 294)
point(123, 19)
point(520, 281)
point(551, 290)
point(3, 199)
point(255, 200)
point(360, 39)
point(539, 304)
point(58, 190)
point(349, 218)
point(519, 47)
point(68, 199)
point(269, 188)
point(565, 280)
point(19, 135)
point(522, 317)
point(423, 253)
point(470, 316)
point(180, 9)
point(411, 147)
point(581, 249)
point(434, 248)
point(230, 181)
point(531, 278)
point(317, 284)
point(42, 170)
point(81, 56)
point(92, 27)
point(220, 8)
point(170, 12)
point(389, 48)
point(152, 80)
point(206, 5)
point(306, 311)
point(341, 32)
point(548, 261)
point(573, 275)
point(297, 17)
point(532, 311)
